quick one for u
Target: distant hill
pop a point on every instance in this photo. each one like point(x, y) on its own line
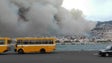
point(103, 25)
point(102, 30)
point(105, 22)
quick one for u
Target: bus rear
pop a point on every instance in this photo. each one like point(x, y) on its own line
point(4, 44)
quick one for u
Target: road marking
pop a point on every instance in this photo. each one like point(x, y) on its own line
point(95, 54)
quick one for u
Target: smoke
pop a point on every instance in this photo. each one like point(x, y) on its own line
point(40, 18)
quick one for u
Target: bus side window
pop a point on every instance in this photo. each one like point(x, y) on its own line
point(25, 42)
point(2, 42)
point(46, 42)
point(19, 42)
point(51, 42)
point(31, 42)
point(37, 42)
point(9, 41)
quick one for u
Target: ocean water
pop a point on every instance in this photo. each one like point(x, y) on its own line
point(81, 47)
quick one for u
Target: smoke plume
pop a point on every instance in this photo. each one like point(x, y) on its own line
point(40, 18)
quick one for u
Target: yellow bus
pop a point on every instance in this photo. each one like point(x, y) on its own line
point(4, 44)
point(34, 44)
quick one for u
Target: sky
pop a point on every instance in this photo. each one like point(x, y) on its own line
point(95, 10)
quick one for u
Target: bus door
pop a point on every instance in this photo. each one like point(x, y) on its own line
point(19, 44)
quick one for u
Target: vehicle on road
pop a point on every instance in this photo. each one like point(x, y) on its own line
point(106, 52)
point(4, 44)
point(34, 44)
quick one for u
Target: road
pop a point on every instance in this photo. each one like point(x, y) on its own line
point(56, 57)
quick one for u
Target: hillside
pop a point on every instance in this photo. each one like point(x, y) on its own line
point(102, 30)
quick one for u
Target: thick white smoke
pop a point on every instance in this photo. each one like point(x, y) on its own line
point(40, 18)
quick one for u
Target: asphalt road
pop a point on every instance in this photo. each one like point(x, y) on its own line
point(56, 57)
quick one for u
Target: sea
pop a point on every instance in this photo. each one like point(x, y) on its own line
point(81, 46)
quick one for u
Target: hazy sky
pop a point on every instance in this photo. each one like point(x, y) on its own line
point(96, 10)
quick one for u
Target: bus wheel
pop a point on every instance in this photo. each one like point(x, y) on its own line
point(42, 51)
point(20, 51)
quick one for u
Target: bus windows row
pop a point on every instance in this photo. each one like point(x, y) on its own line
point(34, 41)
point(2, 42)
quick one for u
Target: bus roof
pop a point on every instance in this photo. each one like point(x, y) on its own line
point(23, 38)
point(5, 38)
